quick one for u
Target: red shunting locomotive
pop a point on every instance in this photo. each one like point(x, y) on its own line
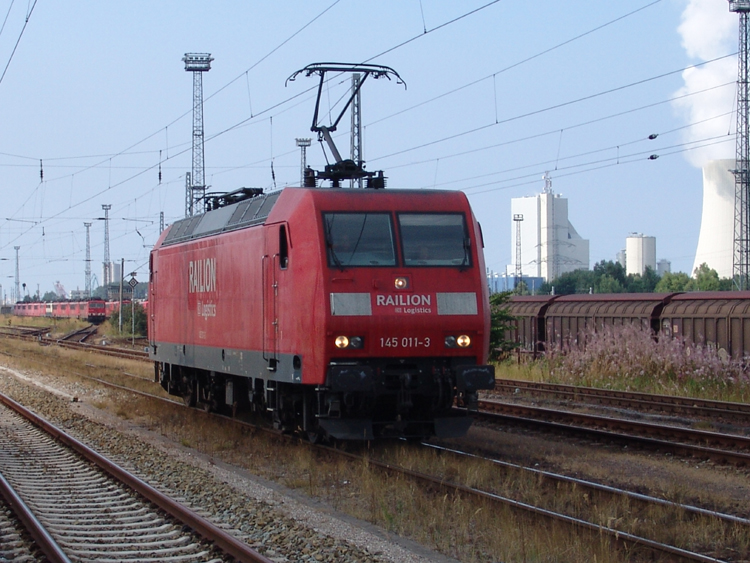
point(349, 313)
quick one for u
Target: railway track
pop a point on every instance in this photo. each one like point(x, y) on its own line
point(68, 341)
point(80, 335)
point(15, 543)
point(104, 350)
point(736, 412)
point(79, 506)
point(618, 534)
point(582, 522)
point(687, 442)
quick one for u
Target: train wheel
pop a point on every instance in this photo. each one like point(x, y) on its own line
point(315, 436)
point(188, 394)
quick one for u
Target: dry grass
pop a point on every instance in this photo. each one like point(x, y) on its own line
point(459, 526)
point(464, 528)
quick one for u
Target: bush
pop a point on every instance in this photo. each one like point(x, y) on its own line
point(141, 327)
point(629, 357)
point(501, 323)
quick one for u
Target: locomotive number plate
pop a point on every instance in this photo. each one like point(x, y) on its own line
point(404, 342)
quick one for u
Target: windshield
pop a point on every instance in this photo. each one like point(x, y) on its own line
point(434, 239)
point(359, 239)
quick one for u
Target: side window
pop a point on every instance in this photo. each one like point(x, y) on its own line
point(283, 248)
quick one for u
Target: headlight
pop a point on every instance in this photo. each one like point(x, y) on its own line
point(463, 341)
point(342, 342)
point(401, 283)
point(355, 342)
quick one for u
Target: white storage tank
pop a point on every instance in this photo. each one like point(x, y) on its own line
point(640, 252)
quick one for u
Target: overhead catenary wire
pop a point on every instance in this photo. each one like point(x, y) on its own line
point(552, 107)
point(576, 126)
point(20, 35)
point(514, 65)
point(238, 124)
point(116, 183)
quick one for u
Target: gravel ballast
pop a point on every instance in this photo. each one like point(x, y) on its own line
point(278, 522)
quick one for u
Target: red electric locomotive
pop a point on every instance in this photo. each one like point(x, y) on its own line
point(92, 310)
point(351, 313)
point(97, 311)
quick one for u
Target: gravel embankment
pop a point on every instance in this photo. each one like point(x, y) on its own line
point(279, 523)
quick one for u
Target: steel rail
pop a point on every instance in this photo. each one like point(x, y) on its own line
point(229, 544)
point(546, 474)
point(114, 351)
point(106, 350)
point(564, 421)
point(591, 485)
point(669, 403)
point(52, 551)
point(619, 537)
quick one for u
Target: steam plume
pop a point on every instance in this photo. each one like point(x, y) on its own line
point(708, 30)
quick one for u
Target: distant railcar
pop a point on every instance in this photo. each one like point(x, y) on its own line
point(718, 319)
point(93, 310)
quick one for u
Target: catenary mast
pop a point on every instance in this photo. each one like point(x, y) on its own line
point(356, 135)
point(107, 271)
point(741, 262)
point(18, 285)
point(197, 63)
point(88, 260)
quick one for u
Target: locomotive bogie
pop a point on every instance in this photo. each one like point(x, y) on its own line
point(329, 339)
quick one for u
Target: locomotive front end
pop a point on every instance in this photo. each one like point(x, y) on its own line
point(407, 335)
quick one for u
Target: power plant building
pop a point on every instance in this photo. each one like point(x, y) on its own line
point(640, 253)
point(716, 239)
point(549, 244)
point(663, 266)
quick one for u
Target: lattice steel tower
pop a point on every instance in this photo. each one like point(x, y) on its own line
point(356, 141)
point(197, 63)
point(88, 260)
point(741, 270)
point(107, 270)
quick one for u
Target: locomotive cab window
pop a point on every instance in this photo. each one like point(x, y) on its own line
point(434, 239)
point(283, 248)
point(359, 239)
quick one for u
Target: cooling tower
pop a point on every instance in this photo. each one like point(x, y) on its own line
point(716, 240)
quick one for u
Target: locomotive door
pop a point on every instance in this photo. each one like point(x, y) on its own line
point(274, 259)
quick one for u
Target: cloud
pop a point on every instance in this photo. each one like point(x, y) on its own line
point(708, 30)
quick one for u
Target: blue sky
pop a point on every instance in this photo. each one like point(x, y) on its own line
point(495, 98)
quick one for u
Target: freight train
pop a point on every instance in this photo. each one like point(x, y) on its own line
point(720, 318)
point(339, 312)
